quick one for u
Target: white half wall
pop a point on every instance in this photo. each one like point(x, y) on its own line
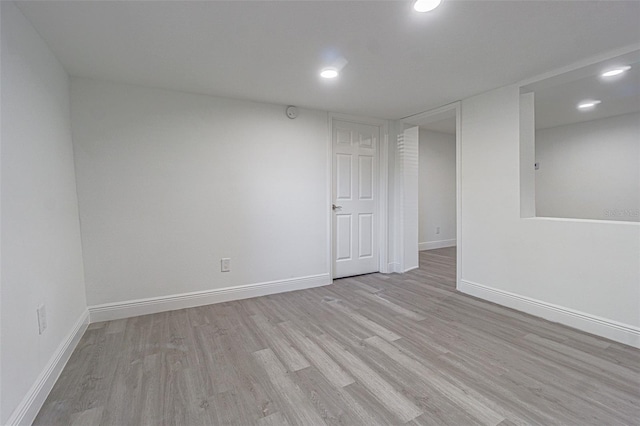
point(41, 251)
point(436, 190)
point(587, 268)
point(169, 183)
point(590, 170)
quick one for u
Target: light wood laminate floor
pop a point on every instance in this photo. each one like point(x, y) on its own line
point(368, 350)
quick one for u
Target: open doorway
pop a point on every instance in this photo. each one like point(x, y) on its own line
point(437, 185)
point(438, 190)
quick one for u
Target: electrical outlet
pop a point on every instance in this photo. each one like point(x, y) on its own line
point(225, 264)
point(42, 318)
point(437, 229)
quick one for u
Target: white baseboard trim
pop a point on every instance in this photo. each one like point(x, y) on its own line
point(132, 308)
point(26, 412)
point(394, 267)
point(613, 330)
point(430, 245)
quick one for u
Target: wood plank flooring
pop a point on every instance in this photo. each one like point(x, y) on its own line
point(368, 350)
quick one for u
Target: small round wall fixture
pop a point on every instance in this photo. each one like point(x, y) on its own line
point(292, 112)
point(426, 5)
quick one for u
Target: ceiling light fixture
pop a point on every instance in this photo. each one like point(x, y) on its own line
point(426, 5)
point(329, 73)
point(588, 104)
point(616, 71)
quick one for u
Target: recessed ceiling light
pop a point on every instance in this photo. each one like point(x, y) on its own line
point(588, 104)
point(329, 73)
point(616, 71)
point(426, 5)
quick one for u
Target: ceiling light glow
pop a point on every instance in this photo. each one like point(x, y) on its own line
point(588, 104)
point(616, 71)
point(329, 73)
point(426, 5)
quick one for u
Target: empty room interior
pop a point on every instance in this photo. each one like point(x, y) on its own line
point(320, 212)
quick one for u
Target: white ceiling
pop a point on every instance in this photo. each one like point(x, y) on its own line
point(399, 62)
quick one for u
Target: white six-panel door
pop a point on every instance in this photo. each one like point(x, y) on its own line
point(355, 198)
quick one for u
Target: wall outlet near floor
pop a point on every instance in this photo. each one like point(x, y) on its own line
point(225, 264)
point(42, 318)
point(437, 229)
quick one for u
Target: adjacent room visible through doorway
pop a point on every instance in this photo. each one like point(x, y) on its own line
point(437, 183)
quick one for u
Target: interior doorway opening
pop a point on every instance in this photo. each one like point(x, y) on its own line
point(437, 193)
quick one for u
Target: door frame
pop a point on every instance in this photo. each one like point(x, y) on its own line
point(383, 187)
point(431, 115)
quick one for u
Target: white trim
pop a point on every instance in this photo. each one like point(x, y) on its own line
point(613, 330)
point(383, 197)
point(576, 220)
point(330, 261)
point(394, 267)
point(430, 245)
point(27, 410)
point(383, 186)
point(152, 305)
point(459, 263)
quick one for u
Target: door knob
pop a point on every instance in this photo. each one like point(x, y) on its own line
point(334, 207)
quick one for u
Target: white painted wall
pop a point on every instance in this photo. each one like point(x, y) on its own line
point(437, 190)
point(169, 183)
point(41, 252)
point(527, 155)
point(591, 268)
point(590, 170)
point(396, 128)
